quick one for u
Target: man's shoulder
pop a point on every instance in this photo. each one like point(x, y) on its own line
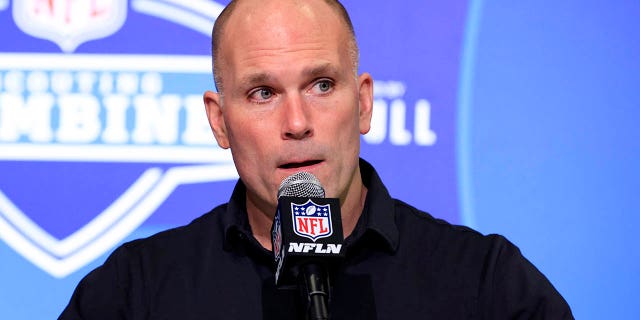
point(205, 231)
point(422, 229)
point(500, 278)
point(411, 218)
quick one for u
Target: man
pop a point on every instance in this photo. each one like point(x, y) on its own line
point(290, 100)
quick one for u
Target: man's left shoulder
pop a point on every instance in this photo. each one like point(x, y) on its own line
point(506, 282)
point(437, 238)
point(416, 222)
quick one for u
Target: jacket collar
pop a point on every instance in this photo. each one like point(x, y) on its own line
point(378, 215)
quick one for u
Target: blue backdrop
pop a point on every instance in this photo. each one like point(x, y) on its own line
point(512, 118)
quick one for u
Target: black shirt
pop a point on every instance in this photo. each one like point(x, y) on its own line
point(400, 263)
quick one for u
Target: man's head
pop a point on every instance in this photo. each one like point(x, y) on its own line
point(220, 23)
point(290, 99)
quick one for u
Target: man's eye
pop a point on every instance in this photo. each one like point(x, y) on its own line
point(323, 86)
point(261, 94)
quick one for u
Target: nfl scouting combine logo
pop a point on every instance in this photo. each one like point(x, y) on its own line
point(80, 109)
point(311, 220)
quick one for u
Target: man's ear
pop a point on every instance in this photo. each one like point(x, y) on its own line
point(213, 106)
point(365, 91)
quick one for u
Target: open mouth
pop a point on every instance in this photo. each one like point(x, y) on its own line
point(294, 165)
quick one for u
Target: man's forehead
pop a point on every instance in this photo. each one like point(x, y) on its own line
point(267, 35)
point(282, 28)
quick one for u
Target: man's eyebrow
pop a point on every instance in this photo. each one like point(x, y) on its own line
point(325, 69)
point(260, 78)
point(255, 79)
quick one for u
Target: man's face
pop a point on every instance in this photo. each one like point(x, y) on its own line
point(290, 100)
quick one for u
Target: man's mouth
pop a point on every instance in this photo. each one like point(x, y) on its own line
point(295, 165)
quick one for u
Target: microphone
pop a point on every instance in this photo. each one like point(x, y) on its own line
point(306, 238)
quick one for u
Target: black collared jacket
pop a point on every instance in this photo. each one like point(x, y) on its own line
point(401, 263)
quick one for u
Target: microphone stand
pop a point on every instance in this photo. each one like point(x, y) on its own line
point(314, 283)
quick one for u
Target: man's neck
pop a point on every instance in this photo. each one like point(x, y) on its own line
point(260, 221)
point(351, 209)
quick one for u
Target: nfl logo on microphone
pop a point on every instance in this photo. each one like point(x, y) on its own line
point(311, 220)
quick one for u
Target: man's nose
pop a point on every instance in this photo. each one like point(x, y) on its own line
point(297, 122)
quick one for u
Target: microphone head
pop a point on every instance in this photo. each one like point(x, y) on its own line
point(301, 184)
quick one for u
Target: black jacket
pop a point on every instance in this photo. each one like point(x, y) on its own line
point(400, 263)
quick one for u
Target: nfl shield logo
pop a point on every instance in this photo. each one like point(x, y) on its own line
point(311, 220)
point(69, 23)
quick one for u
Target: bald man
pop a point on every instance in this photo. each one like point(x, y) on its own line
point(289, 99)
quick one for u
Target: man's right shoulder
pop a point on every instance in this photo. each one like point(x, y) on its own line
point(129, 280)
point(203, 233)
